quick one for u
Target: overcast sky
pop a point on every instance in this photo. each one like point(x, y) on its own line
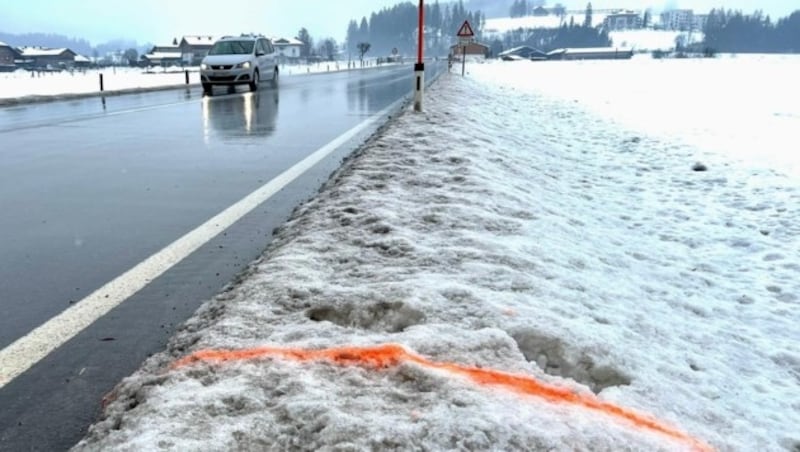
point(158, 21)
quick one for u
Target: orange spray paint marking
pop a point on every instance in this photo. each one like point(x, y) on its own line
point(389, 355)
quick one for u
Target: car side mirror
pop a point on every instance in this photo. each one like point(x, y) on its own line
point(260, 54)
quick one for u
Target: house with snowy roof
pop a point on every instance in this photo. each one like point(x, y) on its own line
point(474, 49)
point(288, 48)
point(194, 48)
point(523, 52)
point(163, 56)
point(8, 57)
point(43, 57)
point(593, 53)
point(82, 61)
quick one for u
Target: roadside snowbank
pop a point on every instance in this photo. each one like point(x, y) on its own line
point(506, 230)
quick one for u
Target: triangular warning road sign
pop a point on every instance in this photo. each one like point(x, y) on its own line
point(465, 31)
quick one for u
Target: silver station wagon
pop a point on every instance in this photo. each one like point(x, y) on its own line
point(242, 60)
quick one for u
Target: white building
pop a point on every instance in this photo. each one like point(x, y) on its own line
point(288, 48)
point(699, 22)
point(623, 20)
point(678, 19)
point(195, 48)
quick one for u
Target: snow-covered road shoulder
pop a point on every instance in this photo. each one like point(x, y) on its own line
point(498, 230)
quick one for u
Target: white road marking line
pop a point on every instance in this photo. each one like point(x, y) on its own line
point(28, 350)
point(52, 122)
point(142, 109)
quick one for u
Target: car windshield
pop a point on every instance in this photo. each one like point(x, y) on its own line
point(232, 48)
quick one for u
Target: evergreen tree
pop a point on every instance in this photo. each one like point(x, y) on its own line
point(328, 49)
point(734, 32)
point(439, 18)
point(363, 31)
point(435, 18)
point(305, 37)
point(588, 21)
point(352, 36)
point(560, 10)
point(396, 27)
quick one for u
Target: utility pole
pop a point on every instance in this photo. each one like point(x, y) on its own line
point(419, 68)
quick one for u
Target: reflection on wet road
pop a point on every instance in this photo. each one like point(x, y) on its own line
point(240, 117)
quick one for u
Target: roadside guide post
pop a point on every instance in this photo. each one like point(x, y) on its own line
point(465, 38)
point(419, 68)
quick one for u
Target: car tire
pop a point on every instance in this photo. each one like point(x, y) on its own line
point(275, 78)
point(207, 88)
point(254, 82)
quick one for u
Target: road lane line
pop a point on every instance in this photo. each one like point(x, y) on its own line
point(28, 350)
point(53, 122)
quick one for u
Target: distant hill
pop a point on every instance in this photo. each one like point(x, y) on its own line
point(81, 46)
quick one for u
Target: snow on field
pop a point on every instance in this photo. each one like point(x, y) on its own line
point(21, 83)
point(746, 107)
point(505, 228)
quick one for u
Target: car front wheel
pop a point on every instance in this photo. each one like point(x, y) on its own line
point(207, 88)
point(254, 82)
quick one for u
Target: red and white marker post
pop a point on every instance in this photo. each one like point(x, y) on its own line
point(419, 67)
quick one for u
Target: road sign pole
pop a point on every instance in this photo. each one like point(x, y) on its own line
point(463, 61)
point(465, 36)
point(419, 68)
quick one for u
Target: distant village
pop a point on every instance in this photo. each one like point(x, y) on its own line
point(186, 51)
point(190, 50)
point(611, 19)
point(502, 36)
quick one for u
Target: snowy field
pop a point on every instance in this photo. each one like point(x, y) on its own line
point(20, 84)
point(745, 107)
point(513, 227)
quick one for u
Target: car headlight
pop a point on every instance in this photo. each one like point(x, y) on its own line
point(245, 65)
point(203, 67)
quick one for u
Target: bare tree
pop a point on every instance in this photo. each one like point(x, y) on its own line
point(328, 49)
point(308, 44)
point(131, 56)
point(363, 48)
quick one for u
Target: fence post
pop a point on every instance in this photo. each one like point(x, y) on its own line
point(102, 88)
point(187, 76)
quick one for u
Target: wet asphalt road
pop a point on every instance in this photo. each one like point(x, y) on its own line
point(89, 188)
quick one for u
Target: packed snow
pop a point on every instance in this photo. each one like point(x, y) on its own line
point(519, 227)
point(21, 84)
